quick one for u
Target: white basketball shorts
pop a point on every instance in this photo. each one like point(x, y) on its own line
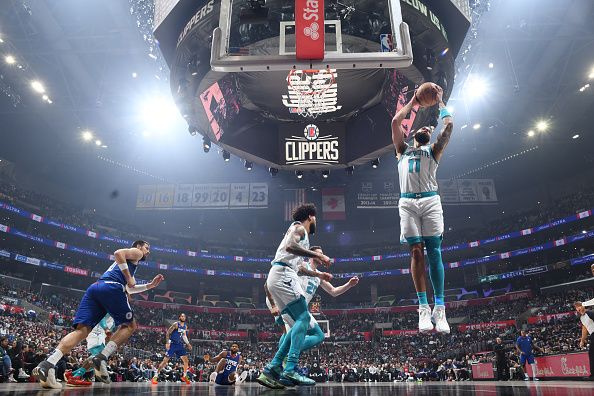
point(422, 217)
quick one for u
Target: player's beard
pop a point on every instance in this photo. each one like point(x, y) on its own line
point(312, 228)
point(422, 138)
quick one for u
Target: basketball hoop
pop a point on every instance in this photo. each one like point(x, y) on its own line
point(312, 92)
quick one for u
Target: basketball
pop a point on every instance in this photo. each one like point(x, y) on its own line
point(427, 94)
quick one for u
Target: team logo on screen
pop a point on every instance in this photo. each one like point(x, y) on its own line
point(311, 148)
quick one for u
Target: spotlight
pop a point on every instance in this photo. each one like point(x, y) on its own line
point(134, 75)
point(476, 126)
point(206, 144)
point(273, 171)
point(37, 87)
point(226, 155)
point(375, 163)
point(491, 65)
point(98, 142)
point(325, 174)
point(299, 174)
point(530, 133)
point(248, 165)
point(10, 59)
point(87, 135)
point(444, 52)
point(575, 136)
point(542, 125)
point(475, 87)
point(192, 130)
point(350, 170)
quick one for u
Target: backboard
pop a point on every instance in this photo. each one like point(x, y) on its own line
point(263, 35)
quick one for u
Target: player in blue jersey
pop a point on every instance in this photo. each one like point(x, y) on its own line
point(226, 371)
point(176, 345)
point(421, 214)
point(524, 347)
point(107, 295)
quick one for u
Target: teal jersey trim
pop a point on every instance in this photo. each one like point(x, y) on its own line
point(279, 263)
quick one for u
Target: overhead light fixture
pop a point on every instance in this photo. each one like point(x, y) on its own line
point(491, 65)
point(192, 130)
point(87, 135)
point(98, 142)
point(299, 174)
point(476, 126)
point(464, 126)
point(325, 174)
point(206, 144)
point(226, 155)
point(531, 133)
point(37, 86)
point(576, 136)
point(248, 165)
point(375, 163)
point(134, 75)
point(542, 125)
point(10, 59)
point(273, 171)
point(444, 52)
point(350, 170)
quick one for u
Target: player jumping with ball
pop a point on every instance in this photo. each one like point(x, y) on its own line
point(421, 214)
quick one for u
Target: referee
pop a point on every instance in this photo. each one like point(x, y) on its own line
point(587, 319)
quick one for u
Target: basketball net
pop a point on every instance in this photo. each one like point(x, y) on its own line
point(312, 92)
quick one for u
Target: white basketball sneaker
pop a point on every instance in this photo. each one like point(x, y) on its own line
point(425, 324)
point(441, 323)
point(212, 378)
point(242, 377)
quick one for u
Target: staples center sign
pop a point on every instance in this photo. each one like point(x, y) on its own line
point(312, 144)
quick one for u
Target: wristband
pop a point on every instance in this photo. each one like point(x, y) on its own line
point(443, 113)
point(136, 289)
point(123, 266)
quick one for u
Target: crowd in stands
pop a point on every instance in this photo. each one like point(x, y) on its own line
point(86, 218)
point(26, 339)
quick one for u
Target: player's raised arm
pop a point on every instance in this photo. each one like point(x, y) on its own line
point(337, 291)
point(448, 127)
point(304, 271)
point(297, 233)
point(397, 130)
point(220, 356)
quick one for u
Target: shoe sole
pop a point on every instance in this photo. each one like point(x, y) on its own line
point(272, 384)
point(38, 374)
point(78, 386)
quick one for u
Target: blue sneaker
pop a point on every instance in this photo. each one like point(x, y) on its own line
point(270, 378)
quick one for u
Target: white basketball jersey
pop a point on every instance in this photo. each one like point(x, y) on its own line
point(417, 170)
point(282, 256)
point(309, 284)
point(97, 336)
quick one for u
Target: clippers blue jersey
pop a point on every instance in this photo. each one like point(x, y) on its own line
point(232, 362)
point(177, 337)
point(114, 273)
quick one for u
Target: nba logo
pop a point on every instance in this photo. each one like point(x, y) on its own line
point(311, 132)
point(387, 45)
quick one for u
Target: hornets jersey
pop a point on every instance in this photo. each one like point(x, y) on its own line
point(309, 284)
point(97, 336)
point(417, 171)
point(291, 260)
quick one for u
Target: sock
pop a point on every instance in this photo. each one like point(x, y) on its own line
point(422, 298)
point(436, 271)
point(297, 338)
point(283, 350)
point(533, 365)
point(110, 348)
point(55, 357)
point(313, 338)
point(79, 373)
